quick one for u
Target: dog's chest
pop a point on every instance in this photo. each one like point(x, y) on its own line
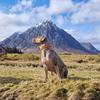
point(45, 58)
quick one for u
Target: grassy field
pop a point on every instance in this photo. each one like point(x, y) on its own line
point(22, 78)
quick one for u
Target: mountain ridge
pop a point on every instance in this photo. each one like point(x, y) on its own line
point(61, 40)
point(89, 47)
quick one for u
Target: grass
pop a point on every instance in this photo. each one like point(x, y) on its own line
point(23, 78)
point(23, 57)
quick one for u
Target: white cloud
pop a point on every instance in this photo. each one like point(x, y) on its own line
point(22, 6)
point(59, 20)
point(62, 6)
point(88, 12)
point(13, 19)
point(80, 12)
point(94, 36)
point(12, 22)
point(10, 30)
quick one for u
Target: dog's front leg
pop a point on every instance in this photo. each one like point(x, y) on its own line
point(46, 72)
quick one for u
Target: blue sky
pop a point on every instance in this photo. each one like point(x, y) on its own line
point(80, 18)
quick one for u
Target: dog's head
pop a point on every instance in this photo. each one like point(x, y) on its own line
point(42, 42)
point(39, 40)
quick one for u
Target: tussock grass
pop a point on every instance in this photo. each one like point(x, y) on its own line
point(21, 80)
point(20, 57)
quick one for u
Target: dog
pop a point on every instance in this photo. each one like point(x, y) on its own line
point(49, 58)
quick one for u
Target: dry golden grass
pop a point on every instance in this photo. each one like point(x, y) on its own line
point(23, 79)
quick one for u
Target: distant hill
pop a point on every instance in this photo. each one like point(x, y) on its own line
point(90, 47)
point(61, 40)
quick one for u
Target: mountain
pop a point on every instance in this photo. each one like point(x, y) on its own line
point(12, 40)
point(61, 40)
point(2, 50)
point(90, 47)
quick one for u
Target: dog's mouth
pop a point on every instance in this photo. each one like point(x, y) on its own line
point(39, 39)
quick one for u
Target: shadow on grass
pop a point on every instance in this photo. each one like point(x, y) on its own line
point(78, 78)
point(13, 80)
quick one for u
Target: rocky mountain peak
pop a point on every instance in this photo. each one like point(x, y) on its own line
point(46, 24)
point(60, 39)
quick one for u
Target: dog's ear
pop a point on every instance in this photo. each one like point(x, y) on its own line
point(43, 38)
point(39, 39)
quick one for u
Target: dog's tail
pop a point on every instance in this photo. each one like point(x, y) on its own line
point(65, 73)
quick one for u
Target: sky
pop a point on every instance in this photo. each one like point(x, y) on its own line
point(80, 18)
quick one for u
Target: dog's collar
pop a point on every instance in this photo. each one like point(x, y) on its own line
point(45, 46)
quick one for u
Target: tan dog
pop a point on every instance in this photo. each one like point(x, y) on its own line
point(49, 59)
